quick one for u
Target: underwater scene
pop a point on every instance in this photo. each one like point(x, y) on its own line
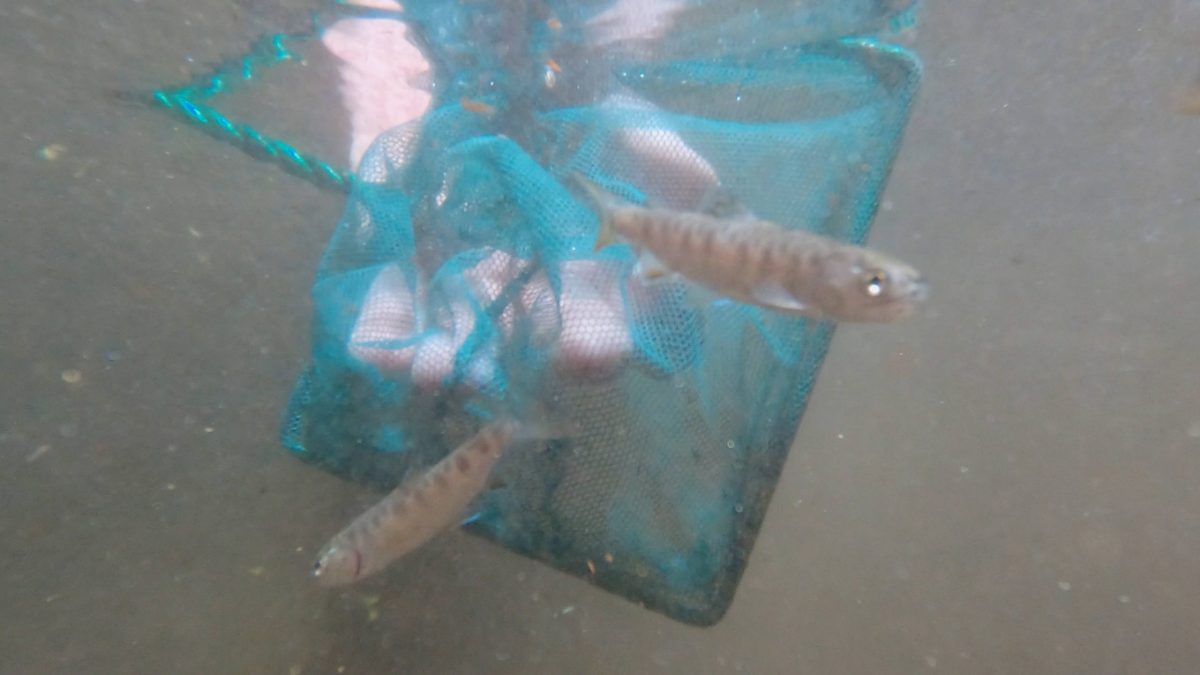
point(597, 336)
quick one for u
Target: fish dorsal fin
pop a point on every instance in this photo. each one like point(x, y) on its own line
point(772, 294)
point(719, 202)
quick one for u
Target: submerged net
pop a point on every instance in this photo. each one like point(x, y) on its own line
point(462, 281)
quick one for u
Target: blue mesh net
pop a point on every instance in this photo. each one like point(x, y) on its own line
point(462, 280)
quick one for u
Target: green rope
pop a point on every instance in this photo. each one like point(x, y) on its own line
point(255, 143)
point(186, 102)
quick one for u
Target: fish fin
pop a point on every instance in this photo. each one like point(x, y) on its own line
point(474, 517)
point(719, 202)
point(597, 194)
point(412, 475)
point(542, 423)
point(701, 296)
point(772, 294)
point(604, 202)
point(606, 235)
point(535, 421)
point(650, 268)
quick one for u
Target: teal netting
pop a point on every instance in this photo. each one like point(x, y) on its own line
point(462, 280)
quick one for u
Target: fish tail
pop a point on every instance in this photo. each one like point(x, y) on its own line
point(606, 235)
point(540, 423)
point(531, 421)
point(604, 203)
point(546, 425)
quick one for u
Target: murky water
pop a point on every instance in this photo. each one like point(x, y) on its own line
point(1006, 483)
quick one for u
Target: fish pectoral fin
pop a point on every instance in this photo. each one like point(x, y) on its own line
point(719, 202)
point(772, 294)
point(649, 267)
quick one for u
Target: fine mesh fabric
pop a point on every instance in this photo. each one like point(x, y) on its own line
point(462, 281)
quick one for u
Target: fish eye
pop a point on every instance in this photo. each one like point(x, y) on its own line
point(875, 283)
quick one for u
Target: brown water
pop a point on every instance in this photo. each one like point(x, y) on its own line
point(1008, 483)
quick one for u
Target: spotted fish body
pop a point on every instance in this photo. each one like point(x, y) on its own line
point(415, 512)
point(763, 263)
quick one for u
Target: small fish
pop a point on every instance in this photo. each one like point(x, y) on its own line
point(415, 512)
point(727, 250)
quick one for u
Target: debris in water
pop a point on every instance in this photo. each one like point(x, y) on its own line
point(1065, 585)
point(477, 107)
point(52, 152)
point(568, 609)
point(591, 567)
point(41, 450)
point(1187, 99)
point(1194, 430)
point(72, 376)
point(1123, 599)
point(372, 603)
point(258, 571)
point(83, 166)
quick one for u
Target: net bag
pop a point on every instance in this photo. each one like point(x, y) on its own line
point(463, 282)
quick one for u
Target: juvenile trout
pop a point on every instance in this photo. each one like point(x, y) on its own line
point(415, 512)
point(734, 254)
